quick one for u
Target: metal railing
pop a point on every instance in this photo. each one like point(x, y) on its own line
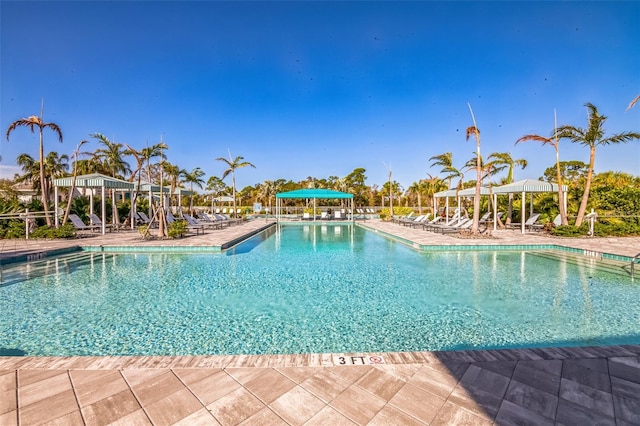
point(28, 217)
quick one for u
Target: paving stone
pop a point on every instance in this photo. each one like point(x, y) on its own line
point(9, 418)
point(390, 415)
point(514, 414)
point(357, 404)
point(504, 368)
point(625, 388)
point(173, 408)
point(325, 385)
point(550, 366)
point(591, 398)
point(270, 386)
point(627, 409)
point(571, 414)
point(417, 402)
point(537, 378)
point(437, 382)
point(452, 414)
point(381, 384)
point(48, 409)
point(111, 409)
point(586, 376)
point(534, 400)
point(264, 417)
point(235, 407)
point(488, 381)
point(329, 416)
point(213, 387)
point(297, 406)
point(627, 368)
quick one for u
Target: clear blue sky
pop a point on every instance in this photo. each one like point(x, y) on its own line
point(317, 89)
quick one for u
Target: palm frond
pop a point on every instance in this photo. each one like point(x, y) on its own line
point(633, 102)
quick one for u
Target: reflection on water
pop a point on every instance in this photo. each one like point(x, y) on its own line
point(311, 288)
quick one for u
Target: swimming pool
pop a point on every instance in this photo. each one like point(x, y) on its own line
point(311, 289)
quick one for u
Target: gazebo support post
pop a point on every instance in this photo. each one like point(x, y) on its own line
point(55, 206)
point(524, 211)
point(495, 211)
point(104, 211)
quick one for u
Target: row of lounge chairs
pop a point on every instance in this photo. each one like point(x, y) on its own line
point(456, 223)
point(205, 221)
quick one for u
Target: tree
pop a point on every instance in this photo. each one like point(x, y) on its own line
point(592, 136)
point(112, 156)
point(555, 143)
point(633, 102)
point(112, 159)
point(473, 130)
point(571, 171)
point(500, 159)
point(193, 177)
point(32, 122)
point(75, 156)
point(446, 162)
point(234, 164)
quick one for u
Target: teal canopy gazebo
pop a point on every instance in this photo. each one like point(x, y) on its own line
point(314, 194)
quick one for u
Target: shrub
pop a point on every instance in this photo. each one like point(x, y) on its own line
point(397, 211)
point(177, 228)
point(14, 229)
point(64, 231)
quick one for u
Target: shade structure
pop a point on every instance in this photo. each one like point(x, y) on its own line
point(93, 181)
point(522, 187)
point(446, 195)
point(223, 199)
point(314, 194)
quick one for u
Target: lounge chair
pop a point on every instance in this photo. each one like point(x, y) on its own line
point(337, 215)
point(464, 223)
point(80, 225)
point(192, 228)
point(418, 221)
point(95, 220)
point(196, 224)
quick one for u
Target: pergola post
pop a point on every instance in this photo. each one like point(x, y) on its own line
point(55, 206)
point(524, 211)
point(104, 211)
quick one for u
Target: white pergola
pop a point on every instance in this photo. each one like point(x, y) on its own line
point(92, 181)
point(523, 186)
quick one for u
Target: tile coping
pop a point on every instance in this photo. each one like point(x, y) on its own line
point(314, 360)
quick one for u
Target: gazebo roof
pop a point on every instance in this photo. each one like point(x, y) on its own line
point(314, 193)
point(471, 192)
point(446, 193)
point(94, 180)
point(528, 185)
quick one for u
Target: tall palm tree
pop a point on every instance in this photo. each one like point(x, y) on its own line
point(75, 156)
point(112, 159)
point(193, 177)
point(555, 143)
point(633, 102)
point(143, 157)
point(234, 164)
point(473, 130)
point(501, 160)
point(592, 136)
point(32, 122)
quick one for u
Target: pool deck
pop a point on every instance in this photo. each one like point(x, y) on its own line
point(593, 385)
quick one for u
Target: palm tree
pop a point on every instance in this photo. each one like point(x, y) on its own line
point(216, 186)
point(143, 157)
point(111, 156)
point(555, 143)
point(592, 136)
point(32, 122)
point(193, 177)
point(445, 161)
point(633, 102)
point(501, 160)
point(75, 156)
point(473, 130)
point(234, 164)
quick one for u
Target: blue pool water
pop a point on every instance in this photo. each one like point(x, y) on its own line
point(311, 288)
